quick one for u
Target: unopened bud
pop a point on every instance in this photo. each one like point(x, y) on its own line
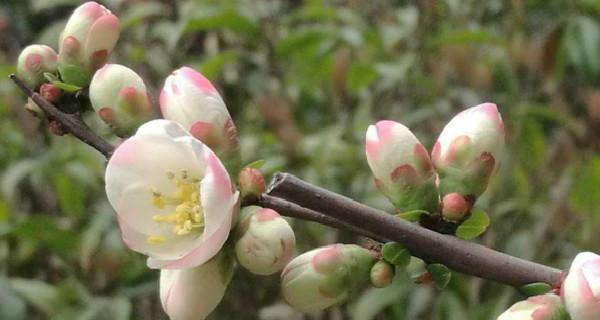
point(56, 128)
point(468, 149)
point(119, 97)
point(195, 292)
point(401, 165)
point(50, 92)
point(190, 99)
point(323, 277)
point(33, 61)
point(33, 108)
point(544, 307)
point(455, 207)
point(265, 243)
point(86, 41)
point(252, 182)
point(382, 274)
point(581, 287)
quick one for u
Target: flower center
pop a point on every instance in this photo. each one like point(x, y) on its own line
point(186, 216)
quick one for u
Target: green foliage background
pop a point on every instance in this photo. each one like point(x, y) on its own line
point(303, 79)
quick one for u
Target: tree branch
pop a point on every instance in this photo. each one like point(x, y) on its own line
point(460, 255)
point(293, 210)
point(295, 198)
point(72, 123)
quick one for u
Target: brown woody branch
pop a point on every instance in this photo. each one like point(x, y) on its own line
point(71, 122)
point(459, 255)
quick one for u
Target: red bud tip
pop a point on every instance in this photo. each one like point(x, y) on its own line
point(50, 92)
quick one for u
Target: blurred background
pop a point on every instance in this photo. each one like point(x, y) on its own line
point(303, 79)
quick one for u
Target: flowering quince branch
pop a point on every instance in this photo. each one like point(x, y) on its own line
point(460, 255)
point(73, 123)
point(177, 204)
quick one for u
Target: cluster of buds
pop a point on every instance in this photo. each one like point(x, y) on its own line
point(462, 161)
point(85, 43)
point(327, 276)
point(466, 155)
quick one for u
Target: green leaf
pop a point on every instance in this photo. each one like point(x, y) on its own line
point(50, 76)
point(211, 66)
point(226, 18)
point(11, 306)
point(440, 274)
point(300, 41)
point(395, 253)
point(70, 196)
point(535, 289)
point(412, 215)
point(474, 226)
point(65, 86)
point(360, 75)
point(42, 296)
point(46, 233)
point(255, 164)
point(586, 187)
point(73, 75)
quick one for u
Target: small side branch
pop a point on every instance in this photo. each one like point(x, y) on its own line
point(459, 255)
point(72, 123)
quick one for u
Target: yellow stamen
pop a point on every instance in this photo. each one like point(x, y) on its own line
point(186, 215)
point(155, 239)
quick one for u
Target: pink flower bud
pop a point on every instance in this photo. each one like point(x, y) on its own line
point(50, 92)
point(382, 274)
point(468, 149)
point(265, 241)
point(33, 61)
point(174, 200)
point(190, 99)
point(401, 165)
point(581, 287)
point(86, 41)
point(252, 182)
point(455, 206)
point(545, 307)
point(323, 277)
point(119, 96)
point(195, 292)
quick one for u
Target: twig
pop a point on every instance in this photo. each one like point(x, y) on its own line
point(459, 255)
point(71, 122)
point(293, 210)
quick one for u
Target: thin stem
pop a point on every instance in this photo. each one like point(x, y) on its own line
point(459, 255)
point(293, 210)
point(72, 123)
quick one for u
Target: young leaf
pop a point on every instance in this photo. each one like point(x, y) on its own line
point(440, 274)
point(535, 289)
point(256, 164)
point(474, 226)
point(395, 254)
point(66, 87)
point(412, 215)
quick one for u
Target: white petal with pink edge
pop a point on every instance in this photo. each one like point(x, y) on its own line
point(173, 197)
point(581, 287)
